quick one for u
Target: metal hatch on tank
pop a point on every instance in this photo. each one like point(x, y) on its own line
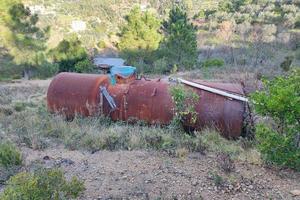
point(122, 96)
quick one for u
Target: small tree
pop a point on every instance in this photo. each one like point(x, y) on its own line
point(180, 45)
point(140, 36)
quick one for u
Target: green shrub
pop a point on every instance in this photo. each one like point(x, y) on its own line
point(46, 184)
point(280, 101)
point(46, 70)
point(9, 155)
point(84, 66)
point(8, 69)
point(19, 106)
point(184, 100)
point(213, 62)
point(68, 53)
point(277, 148)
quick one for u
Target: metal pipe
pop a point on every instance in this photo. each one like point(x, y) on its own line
point(213, 90)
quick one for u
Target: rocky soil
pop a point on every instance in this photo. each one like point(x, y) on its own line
point(156, 175)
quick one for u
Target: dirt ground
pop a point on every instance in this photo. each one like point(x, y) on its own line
point(157, 175)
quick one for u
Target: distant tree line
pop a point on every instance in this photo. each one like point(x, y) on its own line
point(147, 42)
point(150, 42)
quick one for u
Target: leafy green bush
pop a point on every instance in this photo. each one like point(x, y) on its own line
point(46, 70)
point(277, 148)
point(84, 66)
point(280, 100)
point(46, 184)
point(213, 62)
point(9, 155)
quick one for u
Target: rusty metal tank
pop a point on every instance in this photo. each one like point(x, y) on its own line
point(73, 93)
point(146, 100)
point(223, 113)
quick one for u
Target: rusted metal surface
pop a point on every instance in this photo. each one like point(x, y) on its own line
point(144, 100)
point(223, 113)
point(72, 93)
point(147, 100)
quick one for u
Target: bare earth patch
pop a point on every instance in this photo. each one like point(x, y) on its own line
point(154, 175)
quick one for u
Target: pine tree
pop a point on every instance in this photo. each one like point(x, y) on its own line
point(140, 36)
point(20, 33)
point(180, 45)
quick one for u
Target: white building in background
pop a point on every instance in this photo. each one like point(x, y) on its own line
point(42, 10)
point(78, 25)
point(37, 9)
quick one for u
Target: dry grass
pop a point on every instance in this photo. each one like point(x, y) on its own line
point(25, 120)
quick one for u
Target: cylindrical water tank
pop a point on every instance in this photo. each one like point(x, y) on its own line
point(146, 100)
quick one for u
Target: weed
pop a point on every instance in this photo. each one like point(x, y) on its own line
point(217, 179)
point(9, 155)
point(225, 162)
point(216, 143)
point(182, 153)
point(19, 106)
